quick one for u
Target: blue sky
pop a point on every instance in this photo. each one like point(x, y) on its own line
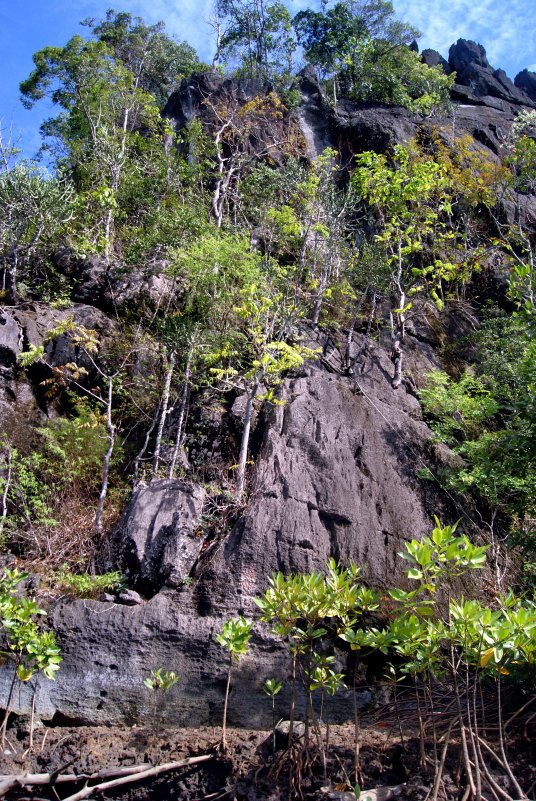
point(508, 34)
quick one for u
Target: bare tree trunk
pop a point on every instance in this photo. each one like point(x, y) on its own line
point(398, 331)
point(106, 468)
point(182, 413)
point(349, 363)
point(5, 492)
point(163, 413)
point(248, 415)
point(139, 456)
point(225, 705)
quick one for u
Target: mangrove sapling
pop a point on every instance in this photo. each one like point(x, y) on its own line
point(325, 679)
point(160, 682)
point(32, 650)
point(271, 688)
point(235, 637)
point(352, 601)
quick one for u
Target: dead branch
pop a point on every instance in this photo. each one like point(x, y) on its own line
point(114, 776)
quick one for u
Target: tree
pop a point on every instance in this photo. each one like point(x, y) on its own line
point(407, 197)
point(234, 637)
point(104, 108)
point(158, 61)
point(32, 649)
point(33, 209)
point(257, 37)
point(363, 48)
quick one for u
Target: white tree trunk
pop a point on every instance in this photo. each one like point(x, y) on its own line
point(248, 415)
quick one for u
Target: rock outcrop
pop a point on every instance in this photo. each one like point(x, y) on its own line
point(158, 538)
point(526, 82)
point(338, 471)
point(473, 70)
point(337, 475)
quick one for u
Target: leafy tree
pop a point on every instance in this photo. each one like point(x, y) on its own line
point(257, 37)
point(407, 197)
point(34, 208)
point(104, 109)
point(491, 419)
point(366, 50)
point(158, 61)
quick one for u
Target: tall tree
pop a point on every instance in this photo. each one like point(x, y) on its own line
point(364, 49)
point(33, 208)
point(158, 61)
point(256, 37)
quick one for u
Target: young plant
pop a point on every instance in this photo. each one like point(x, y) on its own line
point(31, 649)
point(235, 637)
point(160, 682)
point(85, 585)
point(271, 688)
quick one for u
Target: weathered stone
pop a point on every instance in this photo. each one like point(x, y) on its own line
point(337, 476)
point(10, 340)
point(469, 61)
point(200, 97)
point(282, 731)
point(129, 598)
point(434, 59)
point(370, 126)
point(156, 542)
point(526, 81)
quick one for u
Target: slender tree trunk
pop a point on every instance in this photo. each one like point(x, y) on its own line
point(349, 363)
point(248, 415)
point(225, 705)
point(6, 492)
point(182, 413)
point(7, 710)
point(163, 413)
point(398, 328)
point(107, 459)
point(357, 733)
point(139, 455)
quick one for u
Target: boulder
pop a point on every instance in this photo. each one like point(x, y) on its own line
point(157, 540)
point(111, 286)
point(526, 82)
point(190, 100)
point(213, 99)
point(434, 59)
point(357, 127)
point(10, 340)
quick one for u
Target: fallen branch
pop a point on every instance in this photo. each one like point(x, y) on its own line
point(120, 776)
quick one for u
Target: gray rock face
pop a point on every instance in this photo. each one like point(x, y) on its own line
point(434, 59)
point(469, 61)
point(356, 127)
point(156, 542)
point(112, 286)
point(526, 81)
point(22, 396)
point(10, 340)
point(336, 476)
